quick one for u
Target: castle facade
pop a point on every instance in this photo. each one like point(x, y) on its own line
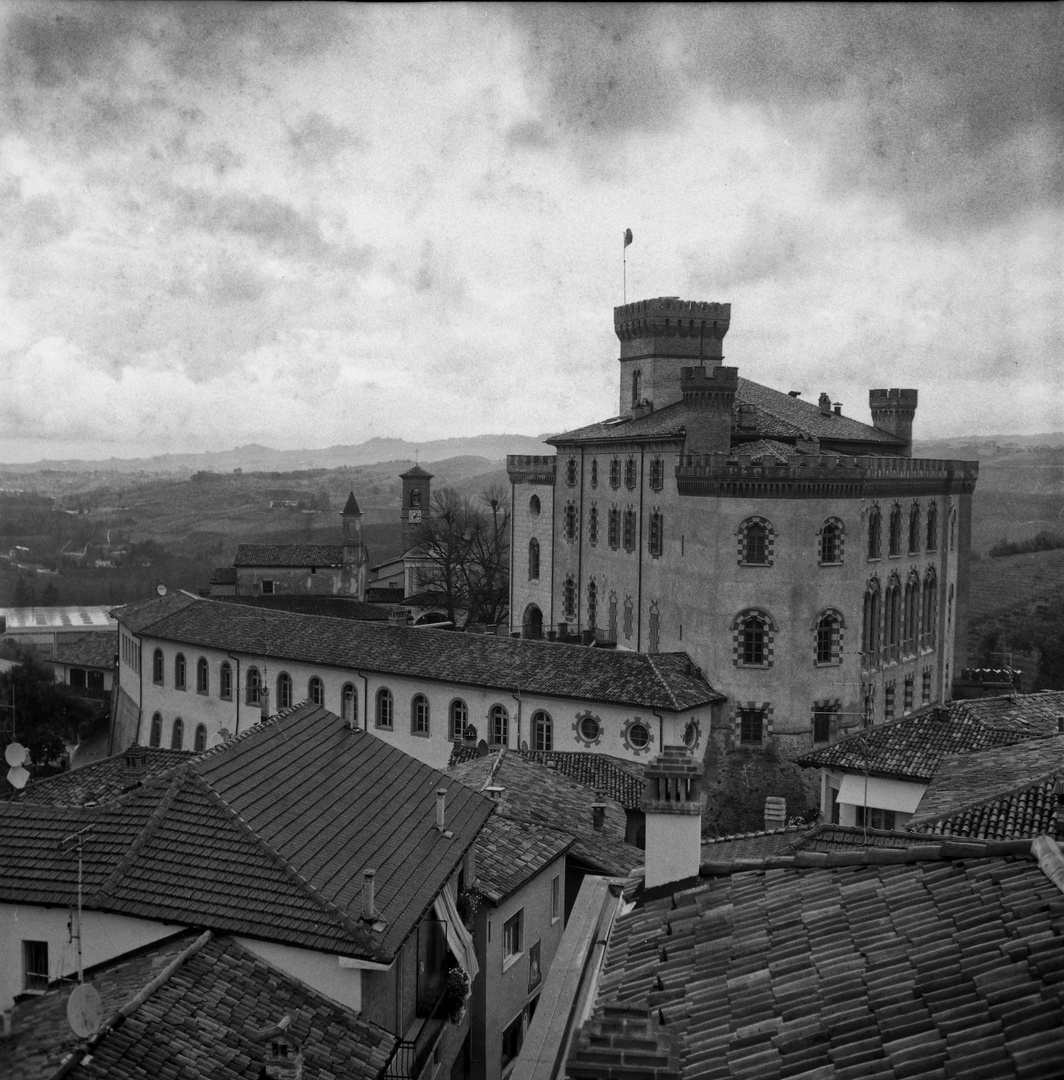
point(813, 569)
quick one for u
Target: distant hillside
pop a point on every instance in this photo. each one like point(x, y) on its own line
point(257, 458)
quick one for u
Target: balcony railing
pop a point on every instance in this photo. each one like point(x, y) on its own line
point(411, 1055)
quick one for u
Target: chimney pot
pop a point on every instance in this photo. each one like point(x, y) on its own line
point(598, 811)
point(369, 909)
point(441, 809)
point(824, 401)
point(838, 408)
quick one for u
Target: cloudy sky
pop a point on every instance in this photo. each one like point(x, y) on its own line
point(309, 225)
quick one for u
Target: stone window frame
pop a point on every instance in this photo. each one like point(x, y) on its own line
point(744, 541)
point(894, 535)
point(570, 472)
point(910, 633)
point(615, 473)
point(569, 521)
point(890, 699)
point(692, 733)
point(835, 644)
point(592, 603)
point(908, 702)
point(926, 685)
point(839, 529)
point(831, 709)
point(315, 682)
point(632, 745)
point(657, 474)
point(630, 474)
point(629, 529)
point(762, 707)
point(655, 534)
point(384, 709)
point(535, 507)
point(578, 728)
point(740, 645)
point(569, 598)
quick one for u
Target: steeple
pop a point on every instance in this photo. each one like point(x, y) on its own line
point(355, 557)
point(417, 491)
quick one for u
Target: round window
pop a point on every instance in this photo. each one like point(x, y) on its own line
point(589, 728)
point(690, 734)
point(638, 735)
point(533, 506)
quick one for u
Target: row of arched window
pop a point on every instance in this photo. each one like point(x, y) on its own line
point(203, 674)
point(754, 638)
point(628, 468)
point(921, 534)
point(899, 621)
point(177, 734)
point(622, 528)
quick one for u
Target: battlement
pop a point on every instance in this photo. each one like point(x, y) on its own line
point(669, 326)
point(893, 411)
point(531, 468)
point(714, 380)
point(892, 399)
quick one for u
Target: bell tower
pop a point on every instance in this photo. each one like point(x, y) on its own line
point(417, 491)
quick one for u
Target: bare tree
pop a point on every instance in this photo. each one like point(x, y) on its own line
point(465, 543)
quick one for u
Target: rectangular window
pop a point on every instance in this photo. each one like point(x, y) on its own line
point(511, 938)
point(751, 726)
point(512, 1038)
point(822, 719)
point(877, 818)
point(925, 686)
point(267, 588)
point(657, 474)
point(35, 966)
point(95, 680)
point(555, 898)
point(614, 528)
point(888, 701)
point(909, 695)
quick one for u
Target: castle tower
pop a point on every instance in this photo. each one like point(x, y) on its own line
point(660, 336)
point(893, 411)
point(672, 802)
point(353, 576)
point(417, 491)
point(710, 394)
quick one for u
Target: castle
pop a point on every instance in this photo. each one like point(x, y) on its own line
point(814, 570)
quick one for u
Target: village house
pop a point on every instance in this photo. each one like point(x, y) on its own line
point(193, 670)
point(287, 841)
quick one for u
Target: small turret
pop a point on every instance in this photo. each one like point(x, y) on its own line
point(709, 394)
point(893, 411)
point(353, 576)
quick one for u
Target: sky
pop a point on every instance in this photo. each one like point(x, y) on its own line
point(309, 225)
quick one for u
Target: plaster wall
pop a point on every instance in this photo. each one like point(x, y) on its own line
point(318, 970)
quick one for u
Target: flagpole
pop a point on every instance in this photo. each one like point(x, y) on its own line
point(624, 264)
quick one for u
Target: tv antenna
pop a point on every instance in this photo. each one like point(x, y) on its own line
point(84, 1007)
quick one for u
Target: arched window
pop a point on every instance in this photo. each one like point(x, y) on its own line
point(629, 529)
point(156, 736)
point(657, 474)
point(892, 617)
point(225, 681)
point(570, 472)
point(831, 542)
point(284, 690)
point(419, 715)
point(930, 619)
point(179, 671)
point(203, 676)
point(569, 520)
point(932, 527)
point(499, 726)
point(594, 472)
point(592, 604)
point(532, 623)
point(415, 497)
point(912, 615)
point(200, 742)
point(875, 533)
point(254, 686)
point(614, 528)
point(894, 531)
point(655, 537)
point(914, 529)
point(157, 667)
point(542, 731)
point(177, 734)
point(613, 617)
point(457, 719)
point(752, 639)
point(615, 472)
point(755, 542)
point(384, 707)
point(533, 560)
point(316, 691)
point(569, 597)
point(534, 506)
point(629, 474)
point(654, 629)
point(829, 638)
point(348, 703)
point(637, 387)
point(592, 525)
point(629, 617)
point(870, 625)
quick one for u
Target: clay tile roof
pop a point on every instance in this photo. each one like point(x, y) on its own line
point(898, 964)
point(106, 779)
point(415, 471)
point(96, 650)
point(664, 681)
point(137, 617)
point(751, 845)
point(533, 793)
point(223, 575)
point(200, 1021)
point(511, 852)
point(911, 748)
point(281, 555)
point(332, 607)
point(267, 835)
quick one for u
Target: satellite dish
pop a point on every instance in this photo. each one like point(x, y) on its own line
point(84, 1010)
point(18, 777)
point(16, 754)
point(160, 589)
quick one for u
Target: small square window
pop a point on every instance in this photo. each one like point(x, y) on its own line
point(511, 938)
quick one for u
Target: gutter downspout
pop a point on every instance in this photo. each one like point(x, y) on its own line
point(365, 695)
point(516, 695)
point(513, 516)
point(553, 539)
point(237, 689)
point(661, 732)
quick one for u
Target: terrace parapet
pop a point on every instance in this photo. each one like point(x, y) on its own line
point(531, 468)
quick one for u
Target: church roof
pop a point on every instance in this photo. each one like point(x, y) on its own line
point(415, 472)
point(775, 416)
point(351, 506)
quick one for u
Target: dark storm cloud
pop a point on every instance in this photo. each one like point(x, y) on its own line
point(317, 140)
point(957, 112)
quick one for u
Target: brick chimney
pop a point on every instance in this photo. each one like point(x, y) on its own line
point(672, 802)
point(622, 1042)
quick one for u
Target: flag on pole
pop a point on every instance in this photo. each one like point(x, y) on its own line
point(627, 237)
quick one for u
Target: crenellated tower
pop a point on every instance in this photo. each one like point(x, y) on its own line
point(893, 411)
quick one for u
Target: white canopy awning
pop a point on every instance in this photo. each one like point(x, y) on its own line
point(883, 794)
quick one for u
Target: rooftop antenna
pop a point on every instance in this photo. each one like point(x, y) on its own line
point(624, 261)
point(64, 845)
